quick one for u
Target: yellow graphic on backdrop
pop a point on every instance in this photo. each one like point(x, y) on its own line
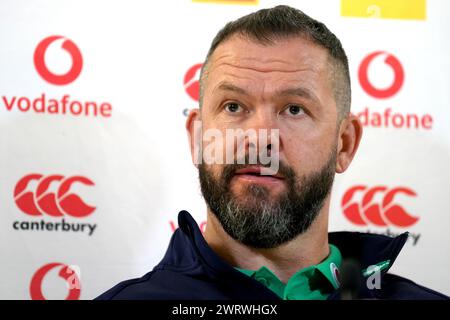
point(385, 9)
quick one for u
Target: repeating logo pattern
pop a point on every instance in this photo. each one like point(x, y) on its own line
point(46, 74)
point(386, 213)
point(65, 272)
point(41, 201)
point(191, 81)
point(390, 60)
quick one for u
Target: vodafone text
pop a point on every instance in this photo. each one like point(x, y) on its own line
point(395, 120)
point(63, 106)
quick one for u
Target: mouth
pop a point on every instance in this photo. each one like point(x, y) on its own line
point(256, 174)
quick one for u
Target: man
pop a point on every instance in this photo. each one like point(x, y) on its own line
point(267, 234)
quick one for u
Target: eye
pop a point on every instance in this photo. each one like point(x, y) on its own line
point(294, 109)
point(233, 107)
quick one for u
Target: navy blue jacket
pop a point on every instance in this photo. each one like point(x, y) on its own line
point(190, 269)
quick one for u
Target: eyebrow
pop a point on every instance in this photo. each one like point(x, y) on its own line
point(300, 92)
point(295, 91)
point(226, 86)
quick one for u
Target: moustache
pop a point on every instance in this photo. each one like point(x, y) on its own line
point(231, 170)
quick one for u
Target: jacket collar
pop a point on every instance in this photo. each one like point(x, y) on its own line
point(367, 249)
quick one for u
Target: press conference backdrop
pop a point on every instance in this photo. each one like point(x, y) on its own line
point(95, 164)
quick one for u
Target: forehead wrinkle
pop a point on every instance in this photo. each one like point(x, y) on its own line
point(260, 63)
point(295, 87)
point(297, 90)
point(228, 75)
point(215, 65)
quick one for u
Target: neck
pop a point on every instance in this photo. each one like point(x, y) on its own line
point(307, 249)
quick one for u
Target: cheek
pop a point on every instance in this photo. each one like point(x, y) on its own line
point(211, 138)
point(305, 151)
point(216, 170)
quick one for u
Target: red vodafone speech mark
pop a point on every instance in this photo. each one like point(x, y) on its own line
point(191, 81)
point(399, 76)
point(379, 214)
point(47, 75)
point(39, 201)
point(65, 272)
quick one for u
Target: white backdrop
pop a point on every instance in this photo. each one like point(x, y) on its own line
point(120, 177)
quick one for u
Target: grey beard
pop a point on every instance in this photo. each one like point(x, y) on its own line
point(259, 222)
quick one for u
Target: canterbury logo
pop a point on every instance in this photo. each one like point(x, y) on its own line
point(65, 272)
point(46, 74)
point(42, 201)
point(381, 214)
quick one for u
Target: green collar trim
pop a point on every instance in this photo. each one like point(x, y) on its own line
point(383, 265)
point(305, 284)
point(330, 266)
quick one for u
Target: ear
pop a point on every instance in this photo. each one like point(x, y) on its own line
point(194, 134)
point(350, 133)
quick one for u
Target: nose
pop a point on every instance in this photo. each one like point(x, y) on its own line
point(264, 123)
point(263, 118)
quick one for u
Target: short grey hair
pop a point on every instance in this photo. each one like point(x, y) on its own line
point(268, 25)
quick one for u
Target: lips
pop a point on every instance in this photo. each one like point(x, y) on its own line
point(256, 171)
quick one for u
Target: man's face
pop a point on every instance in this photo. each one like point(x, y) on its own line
point(284, 86)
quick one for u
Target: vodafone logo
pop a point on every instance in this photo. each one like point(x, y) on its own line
point(46, 74)
point(387, 118)
point(385, 213)
point(40, 201)
point(391, 61)
point(65, 272)
point(65, 105)
point(191, 81)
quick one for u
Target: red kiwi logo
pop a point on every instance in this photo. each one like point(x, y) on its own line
point(42, 201)
point(46, 74)
point(386, 213)
point(191, 81)
point(390, 60)
point(68, 274)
